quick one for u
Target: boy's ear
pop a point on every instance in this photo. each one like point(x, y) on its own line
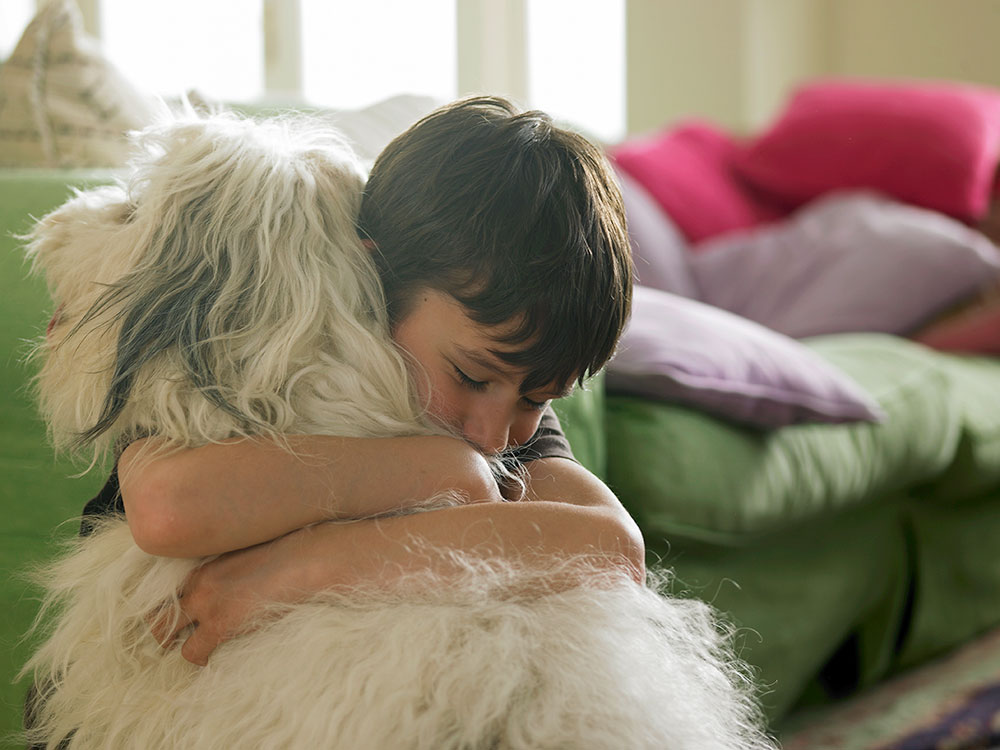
point(369, 245)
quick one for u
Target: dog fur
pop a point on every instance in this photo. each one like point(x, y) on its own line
point(221, 292)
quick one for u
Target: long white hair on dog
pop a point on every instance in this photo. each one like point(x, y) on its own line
point(229, 283)
point(504, 656)
point(223, 292)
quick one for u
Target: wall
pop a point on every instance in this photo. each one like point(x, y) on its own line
point(735, 61)
point(683, 58)
point(924, 38)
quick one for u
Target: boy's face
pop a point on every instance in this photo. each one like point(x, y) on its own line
point(464, 386)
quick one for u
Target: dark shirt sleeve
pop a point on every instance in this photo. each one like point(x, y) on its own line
point(547, 442)
point(105, 503)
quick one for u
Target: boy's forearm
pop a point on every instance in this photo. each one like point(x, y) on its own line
point(382, 550)
point(560, 480)
point(219, 498)
point(379, 553)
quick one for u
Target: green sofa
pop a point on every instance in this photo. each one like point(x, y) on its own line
point(842, 553)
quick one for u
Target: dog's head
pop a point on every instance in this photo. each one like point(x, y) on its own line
point(220, 290)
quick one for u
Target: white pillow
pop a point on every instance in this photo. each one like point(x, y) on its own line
point(370, 129)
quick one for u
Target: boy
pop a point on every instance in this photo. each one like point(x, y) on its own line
point(500, 241)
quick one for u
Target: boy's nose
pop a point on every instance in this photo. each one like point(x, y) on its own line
point(488, 429)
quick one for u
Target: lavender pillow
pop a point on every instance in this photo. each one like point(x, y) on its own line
point(659, 251)
point(854, 261)
point(684, 351)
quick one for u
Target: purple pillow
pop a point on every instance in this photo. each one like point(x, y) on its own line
point(659, 251)
point(850, 262)
point(681, 350)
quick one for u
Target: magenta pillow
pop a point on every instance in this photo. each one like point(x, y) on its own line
point(677, 349)
point(688, 169)
point(935, 145)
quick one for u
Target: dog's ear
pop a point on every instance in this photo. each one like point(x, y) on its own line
point(80, 249)
point(71, 246)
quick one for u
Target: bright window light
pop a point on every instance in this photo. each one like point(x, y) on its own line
point(576, 63)
point(213, 46)
point(14, 17)
point(356, 53)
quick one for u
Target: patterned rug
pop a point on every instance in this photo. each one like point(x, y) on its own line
point(950, 704)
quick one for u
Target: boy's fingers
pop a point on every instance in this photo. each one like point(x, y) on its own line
point(165, 624)
point(200, 643)
point(159, 621)
point(199, 646)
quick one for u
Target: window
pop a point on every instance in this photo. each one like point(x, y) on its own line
point(564, 56)
point(14, 16)
point(576, 63)
point(355, 53)
point(213, 46)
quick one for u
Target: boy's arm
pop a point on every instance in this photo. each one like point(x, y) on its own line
point(224, 595)
point(234, 494)
point(553, 481)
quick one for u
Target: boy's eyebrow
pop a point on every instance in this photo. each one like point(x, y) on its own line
point(497, 367)
point(490, 363)
point(561, 394)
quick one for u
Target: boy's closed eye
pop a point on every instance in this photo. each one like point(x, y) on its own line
point(481, 385)
point(476, 385)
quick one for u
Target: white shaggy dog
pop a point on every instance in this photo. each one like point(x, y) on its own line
point(221, 292)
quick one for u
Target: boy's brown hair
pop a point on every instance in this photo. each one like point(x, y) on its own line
point(519, 220)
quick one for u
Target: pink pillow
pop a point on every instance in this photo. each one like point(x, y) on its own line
point(976, 331)
point(688, 170)
point(935, 145)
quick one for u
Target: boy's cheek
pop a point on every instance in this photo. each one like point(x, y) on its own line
point(524, 429)
point(442, 405)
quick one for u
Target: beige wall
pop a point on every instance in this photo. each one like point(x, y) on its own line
point(683, 57)
point(923, 38)
point(734, 61)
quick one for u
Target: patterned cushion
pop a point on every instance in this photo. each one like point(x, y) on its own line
point(62, 104)
point(953, 702)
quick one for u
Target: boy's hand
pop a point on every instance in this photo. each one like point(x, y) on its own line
point(571, 512)
point(226, 596)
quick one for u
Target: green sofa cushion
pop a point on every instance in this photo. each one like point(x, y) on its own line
point(687, 475)
point(976, 467)
point(957, 574)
